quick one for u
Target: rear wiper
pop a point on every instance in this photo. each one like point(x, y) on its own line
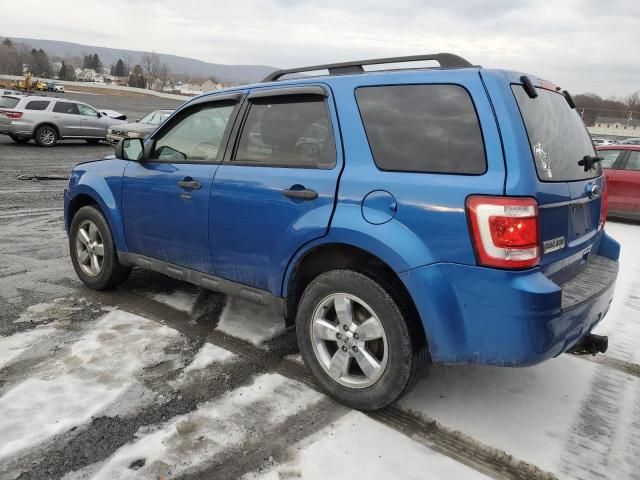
point(589, 162)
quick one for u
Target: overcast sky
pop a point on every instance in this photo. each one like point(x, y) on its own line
point(582, 45)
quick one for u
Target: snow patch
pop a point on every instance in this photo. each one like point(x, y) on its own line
point(208, 355)
point(250, 321)
point(97, 365)
point(181, 300)
point(189, 441)
point(359, 447)
point(13, 346)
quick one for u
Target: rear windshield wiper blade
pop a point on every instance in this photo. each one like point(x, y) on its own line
point(589, 162)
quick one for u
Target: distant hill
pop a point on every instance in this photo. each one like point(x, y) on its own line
point(189, 66)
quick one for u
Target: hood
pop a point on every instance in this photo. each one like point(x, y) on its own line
point(113, 114)
point(136, 127)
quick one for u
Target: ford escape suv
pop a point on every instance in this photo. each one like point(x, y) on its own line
point(452, 214)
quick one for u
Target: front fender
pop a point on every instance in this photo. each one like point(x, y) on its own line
point(102, 182)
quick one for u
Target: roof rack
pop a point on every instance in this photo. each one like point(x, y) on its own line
point(446, 60)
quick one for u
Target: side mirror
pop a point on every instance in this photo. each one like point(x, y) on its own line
point(99, 114)
point(130, 149)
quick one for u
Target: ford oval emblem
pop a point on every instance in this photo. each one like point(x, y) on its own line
point(593, 190)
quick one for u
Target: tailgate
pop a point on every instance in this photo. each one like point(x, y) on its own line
point(569, 194)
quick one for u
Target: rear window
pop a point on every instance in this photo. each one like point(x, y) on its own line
point(557, 135)
point(8, 102)
point(422, 128)
point(37, 105)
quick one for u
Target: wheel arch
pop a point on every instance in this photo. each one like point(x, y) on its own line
point(89, 197)
point(324, 257)
point(47, 124)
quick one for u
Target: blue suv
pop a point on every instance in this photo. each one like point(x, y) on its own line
point(452, 214)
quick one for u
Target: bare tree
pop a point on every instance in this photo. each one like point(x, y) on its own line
point(151, 64)
point(164, 75)
point(633, 101)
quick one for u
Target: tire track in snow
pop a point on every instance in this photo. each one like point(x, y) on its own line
point(493, 462)
point(601, 431)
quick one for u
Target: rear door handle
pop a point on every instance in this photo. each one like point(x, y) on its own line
point(303, 194)
point(189, 183)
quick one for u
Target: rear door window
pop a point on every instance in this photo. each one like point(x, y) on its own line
point(422, 128)
point(557, 135)
point(8, 102)
point(37, 105)
point(289, 131)
point(66, 107)
point(633, 162)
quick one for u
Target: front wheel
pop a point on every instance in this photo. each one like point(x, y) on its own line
point(93, 252)
point(362, 344)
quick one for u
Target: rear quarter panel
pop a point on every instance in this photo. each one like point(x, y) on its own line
point(430, 224)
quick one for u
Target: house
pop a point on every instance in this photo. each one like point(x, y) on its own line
point(210, 85)
point(86, 74)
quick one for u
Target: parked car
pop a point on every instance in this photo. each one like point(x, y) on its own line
point(449, 214)
point(138, 129)
point(55, 87)
point(48, 119)
point(10, 92)
point(630, 141)
point(621, 164)
point(40, 86)
point(601, 141)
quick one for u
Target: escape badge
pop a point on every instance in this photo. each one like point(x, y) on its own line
point(543, 158)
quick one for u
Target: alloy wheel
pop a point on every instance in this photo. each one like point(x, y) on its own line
point(47, 136)
point(349, 340)
point(89, 248)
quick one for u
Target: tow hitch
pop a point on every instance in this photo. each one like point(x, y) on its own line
point(590, 344)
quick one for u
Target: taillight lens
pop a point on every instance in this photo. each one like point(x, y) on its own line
point(11, 114)
point(604, 205)
point(505, 231)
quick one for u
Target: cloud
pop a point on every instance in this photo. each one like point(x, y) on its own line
point(583, 45)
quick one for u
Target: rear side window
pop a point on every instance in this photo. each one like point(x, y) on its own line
point(422, 128)
point(37, 105)
point(66, 107)
point(8, 102)
point(289, 131)
point(609, 157)
point(558, 137)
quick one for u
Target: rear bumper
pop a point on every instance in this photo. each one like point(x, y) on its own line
point(17, 128)
point(508, 318)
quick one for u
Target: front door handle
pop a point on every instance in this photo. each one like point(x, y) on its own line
point(303, 194)
point(189, 183)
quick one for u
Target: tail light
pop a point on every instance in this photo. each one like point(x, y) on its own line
point(505, 231)
point(604, 205)
point(13, 115)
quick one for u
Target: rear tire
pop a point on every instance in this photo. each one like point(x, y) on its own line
point(367, 358)
point(19, 140)
point(93, 252)
point(46, 136)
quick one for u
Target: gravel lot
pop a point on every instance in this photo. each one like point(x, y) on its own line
point(161, 380)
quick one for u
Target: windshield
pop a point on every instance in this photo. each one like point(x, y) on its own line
point(557, 136)
point(155, 118)
point(8, 102)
